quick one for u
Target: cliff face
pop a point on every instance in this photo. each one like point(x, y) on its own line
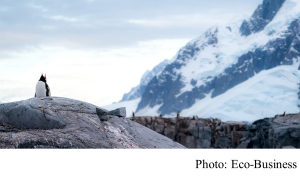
point(54, 122)
point(264, 14)
point(282, 131)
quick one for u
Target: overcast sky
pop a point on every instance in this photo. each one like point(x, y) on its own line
point(95, 50)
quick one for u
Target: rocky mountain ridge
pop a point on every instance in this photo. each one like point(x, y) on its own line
point(223, 58)
point(263, 14)
point(138, 91)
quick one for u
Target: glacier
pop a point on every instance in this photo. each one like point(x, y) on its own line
point(266, 94)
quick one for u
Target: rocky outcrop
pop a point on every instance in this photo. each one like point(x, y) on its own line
point(282, 131)
point(53, 122)
point(263, 14)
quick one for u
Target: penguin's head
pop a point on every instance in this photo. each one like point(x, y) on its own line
point(43, 78)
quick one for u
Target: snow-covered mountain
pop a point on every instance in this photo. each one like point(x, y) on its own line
point(138, 91)
point(246, 70)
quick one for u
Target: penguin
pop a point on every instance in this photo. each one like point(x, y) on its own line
point(42, 89)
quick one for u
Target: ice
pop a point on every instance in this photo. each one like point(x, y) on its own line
point(268, 93)
point(147, 111)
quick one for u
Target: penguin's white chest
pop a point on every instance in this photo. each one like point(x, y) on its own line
point(40, 89)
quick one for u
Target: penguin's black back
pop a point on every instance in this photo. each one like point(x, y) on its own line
point(47, 90)
point(43, 79)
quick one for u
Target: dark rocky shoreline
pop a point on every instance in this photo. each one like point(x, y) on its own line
point(281, 131)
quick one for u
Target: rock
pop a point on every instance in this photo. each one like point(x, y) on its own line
point(2, 128)
point(244, 144)
point(192, 129)
point(222, 142)
point(288, 147)
point(160, 121)
point(219, 128)
point(205, 137)
point(104, 118)
point(264, 13)
point(31, 115)
point(217, 122)
point(143, 121)
point(120, 112)
point(148, 120)
point(104, 115)
point(200, 124)
point(67, 123)
point(159, 128)
point(173, 120)
point(170, 132)
point(276, 132)
point(101, 112)
point(253, 127)
point(189, 141)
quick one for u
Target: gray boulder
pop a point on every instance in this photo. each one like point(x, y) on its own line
point(54, 122)
point(120, 112)
point(104, 115)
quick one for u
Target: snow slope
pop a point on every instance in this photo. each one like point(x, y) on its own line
point(270, 92)
point(214, 59)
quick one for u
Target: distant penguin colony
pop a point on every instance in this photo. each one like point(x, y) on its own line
point(42, 89)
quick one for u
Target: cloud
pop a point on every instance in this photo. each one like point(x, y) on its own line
point(37, 7)
point(116, 23)
point(64, 18)
point(186, 20)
